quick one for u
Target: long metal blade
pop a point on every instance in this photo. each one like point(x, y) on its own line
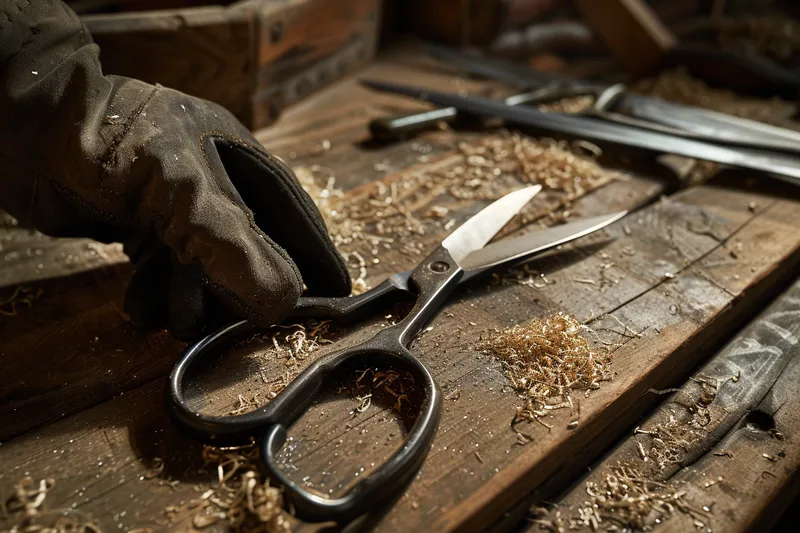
point(710, 125)
point(773, 163)
point(518, 249)
point(478, 230)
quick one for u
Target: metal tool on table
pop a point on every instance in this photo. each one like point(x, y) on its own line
point(780, 165)
point(613, 103)
point(462, 256)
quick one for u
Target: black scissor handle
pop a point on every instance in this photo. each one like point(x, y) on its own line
point(350, 308)
point(268, 424)
point(389, 478)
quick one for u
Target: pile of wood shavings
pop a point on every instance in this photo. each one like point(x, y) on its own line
point(243, 499)
point(27, 506)
point(546, 361)
point(670, 441)
point(395, 214)
point(628, 500)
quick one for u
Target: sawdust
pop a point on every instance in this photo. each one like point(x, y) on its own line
point(27, 508)
point(547, 361)
point(396, 213)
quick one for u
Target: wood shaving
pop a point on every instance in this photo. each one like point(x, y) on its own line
point(547, 360)
point(243, 498)
point(677, 85)
point(375, 385)
point(294, 346)
point(26, 507)
point(627, 499)
point(768, 35)
point(669, 442)
point(22, 296)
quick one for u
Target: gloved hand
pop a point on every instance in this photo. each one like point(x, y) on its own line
point(205, 213)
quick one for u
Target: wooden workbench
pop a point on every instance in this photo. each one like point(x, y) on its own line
point(81, 401)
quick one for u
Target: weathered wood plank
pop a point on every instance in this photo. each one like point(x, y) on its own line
point(301, 144)
point(455, 490)
point(738, 417)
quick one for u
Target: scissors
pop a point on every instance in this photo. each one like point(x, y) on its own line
point(462, 256)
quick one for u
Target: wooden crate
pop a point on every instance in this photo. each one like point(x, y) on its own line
point(254, 56)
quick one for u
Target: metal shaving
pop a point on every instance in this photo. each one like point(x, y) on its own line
point(545, 361)
point(27, 507)
point(627, 499)
point(397, 212)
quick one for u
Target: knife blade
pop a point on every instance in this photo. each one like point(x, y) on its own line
point(705, 124)
point(783, 166)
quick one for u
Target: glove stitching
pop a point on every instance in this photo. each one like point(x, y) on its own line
point(74, 198)
point(111, 151)
point(232, 296)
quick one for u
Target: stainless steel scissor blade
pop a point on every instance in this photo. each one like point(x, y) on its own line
point(478, 230)
point(518, 249)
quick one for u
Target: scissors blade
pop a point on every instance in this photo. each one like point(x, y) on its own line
point(478, 230)
point(517, 249)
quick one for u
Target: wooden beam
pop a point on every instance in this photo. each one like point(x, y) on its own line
point(741, 458)
point(631, 30)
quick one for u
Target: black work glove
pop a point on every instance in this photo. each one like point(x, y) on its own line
point(205, 213)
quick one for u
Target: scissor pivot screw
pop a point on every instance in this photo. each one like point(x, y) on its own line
point(439, 266)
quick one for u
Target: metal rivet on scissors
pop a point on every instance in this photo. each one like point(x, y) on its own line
point(461, 256)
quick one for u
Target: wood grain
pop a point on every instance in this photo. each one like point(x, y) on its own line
point(104, 446)
point(254, 57)
point(748, 444)
point(686, 235)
